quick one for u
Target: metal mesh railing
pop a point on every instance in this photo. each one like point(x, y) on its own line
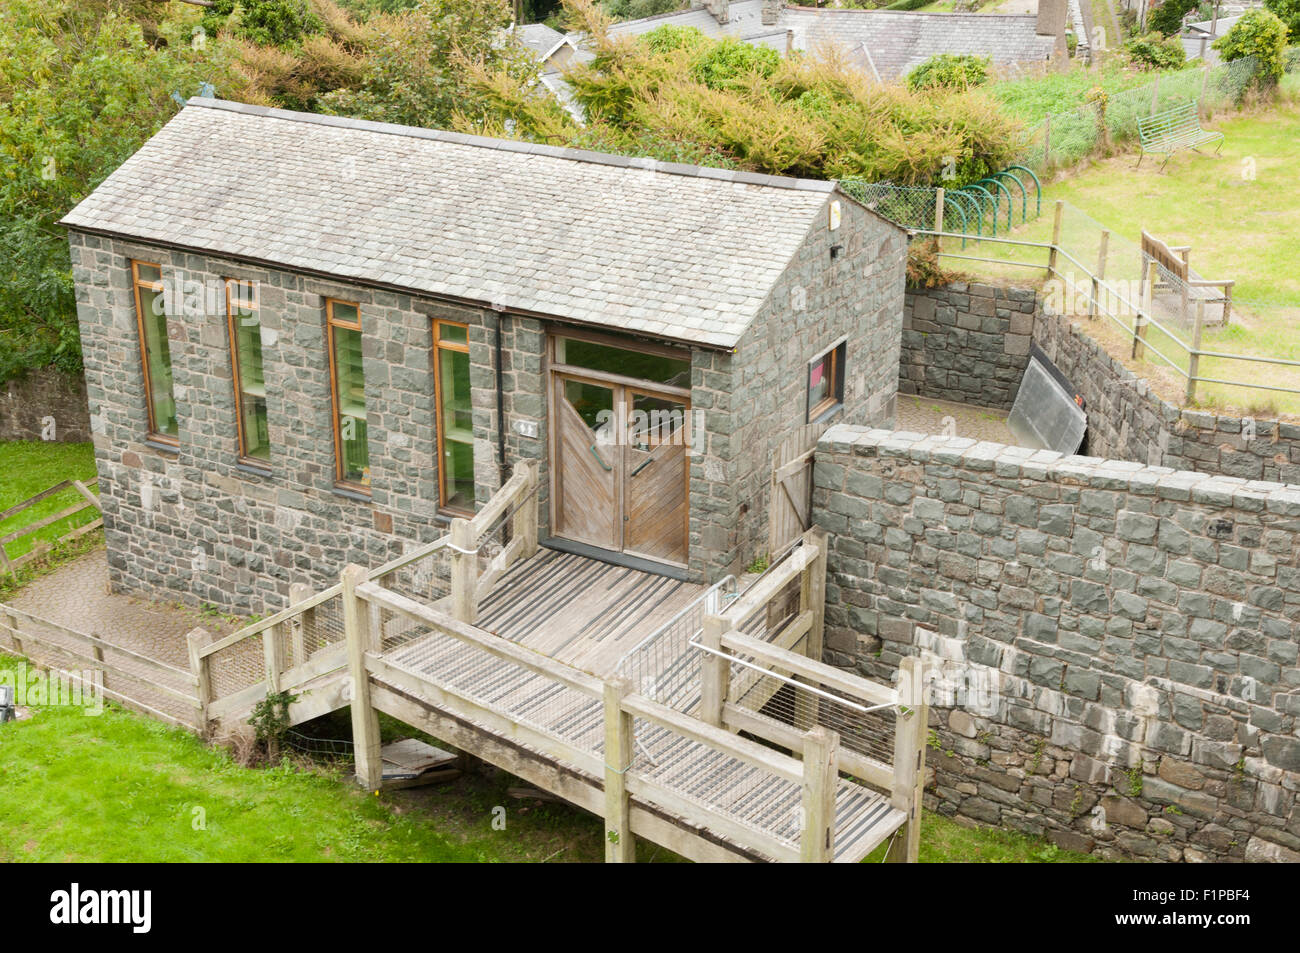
point(992, 205)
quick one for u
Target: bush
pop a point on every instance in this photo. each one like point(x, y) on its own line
point(1261, 35)
point(638, 9)
point(1288, 11)
point(953, 71)
point(1168, 17)
point(730, 63)
point(1156, 51)
point(268, 22)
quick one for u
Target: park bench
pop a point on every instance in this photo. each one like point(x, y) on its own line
point(1167, 267)
point(1168, 131)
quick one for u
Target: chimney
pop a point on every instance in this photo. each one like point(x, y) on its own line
point(771, 11)
point(1052, 15)
point(718, 8)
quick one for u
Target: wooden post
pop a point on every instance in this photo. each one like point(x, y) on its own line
point(524, 522)
point(1100, 276)
point(1144, 309)
point(715, 671)
point(361, 639)
point(938, 220)
point(1057, 219)
point(812, 598)
point(821, 773)
point(12, 622)
point(273, 656)
point(1194, 352)
point(909, 760)
point(195, 640)
point(464, 571)
point(299, 592)
point(620, 846)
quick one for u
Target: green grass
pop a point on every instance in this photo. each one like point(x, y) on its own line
point(27, 468)
point(1239, 212)
point(119, 787)
point(1031, 98)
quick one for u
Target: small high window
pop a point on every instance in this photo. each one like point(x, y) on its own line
point(826, 383)
point(249, 375)
point(351, 449)
point(155, 351)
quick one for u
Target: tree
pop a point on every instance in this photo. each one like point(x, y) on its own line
point(1168, 17)
point(81, 88)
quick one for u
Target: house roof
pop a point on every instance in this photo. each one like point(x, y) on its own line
point(665, 250)
point(893, 40)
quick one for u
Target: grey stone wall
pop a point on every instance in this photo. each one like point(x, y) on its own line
point(45, 404)
point(966, 342)
point(759, 395)
point(1119, 641)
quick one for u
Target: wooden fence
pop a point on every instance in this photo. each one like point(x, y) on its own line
point(88, 501)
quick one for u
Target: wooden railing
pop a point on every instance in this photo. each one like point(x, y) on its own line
point(286, 663)
point(138, 681)
point(88, 501)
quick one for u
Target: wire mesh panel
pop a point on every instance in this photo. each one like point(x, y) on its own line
point(238, 666)
point(665, 667)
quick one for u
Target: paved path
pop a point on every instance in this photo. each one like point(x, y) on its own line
point(926, 415)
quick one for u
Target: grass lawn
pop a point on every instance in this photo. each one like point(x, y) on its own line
point(1240, 213)
point(119, 787)
point(27, 468)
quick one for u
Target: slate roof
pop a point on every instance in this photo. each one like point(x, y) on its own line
point(894, 40)
point(539, 38)
point(665, 250)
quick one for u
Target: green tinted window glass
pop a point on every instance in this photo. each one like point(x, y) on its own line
point(158, 360)
point(252, 384)
point(350, 400)
point(594, 404)
point(453, 334)
point(616, 360)
point(457, 428)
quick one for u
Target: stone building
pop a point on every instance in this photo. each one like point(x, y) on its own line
point(311, 341)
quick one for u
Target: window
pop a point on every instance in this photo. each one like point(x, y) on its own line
point(249, 377)
point(662, 366)
point(351, 450)
point(455, 417)
point(826, 383)
point(155, 351)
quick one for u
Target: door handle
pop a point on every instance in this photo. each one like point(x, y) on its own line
point(599, 458)
point(642, 466)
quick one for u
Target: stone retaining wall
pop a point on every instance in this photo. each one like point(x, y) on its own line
point(1118, 641)
point(45, 404)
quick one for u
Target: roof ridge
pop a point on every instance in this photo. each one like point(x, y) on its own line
point(514, 145)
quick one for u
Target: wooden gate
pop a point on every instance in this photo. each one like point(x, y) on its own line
point(790, 500)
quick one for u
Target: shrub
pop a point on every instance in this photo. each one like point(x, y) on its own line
point(1156, 51)
point(1257, 34)
point(954, 71)
point(1288, 11)
point(1168, 17)
point(730, 63)
point(923, 267)
point(667, 38)
point(268, 22)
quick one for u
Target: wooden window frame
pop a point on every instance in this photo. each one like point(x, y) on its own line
point(244, 458)
point(336, 411)
point(438, 345)
point(623, 344)
point(834, 398)
point(136, 283)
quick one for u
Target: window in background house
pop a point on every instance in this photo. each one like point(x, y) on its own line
point(826, 383)
point(250, 379)
point(351, 451)
point(455, 417)
point(155, 351)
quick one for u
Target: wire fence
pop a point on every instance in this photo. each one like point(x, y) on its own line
point(1065, 138)
point(1214, 346)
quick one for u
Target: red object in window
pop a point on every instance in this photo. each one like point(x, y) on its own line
point(817, 373)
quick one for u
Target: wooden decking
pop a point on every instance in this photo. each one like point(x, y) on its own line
point(580, 611)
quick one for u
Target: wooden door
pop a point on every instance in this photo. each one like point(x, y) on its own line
point(790, 504)
point(656, 471)
point(588, 466)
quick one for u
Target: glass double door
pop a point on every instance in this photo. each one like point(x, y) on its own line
point(620, 467)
